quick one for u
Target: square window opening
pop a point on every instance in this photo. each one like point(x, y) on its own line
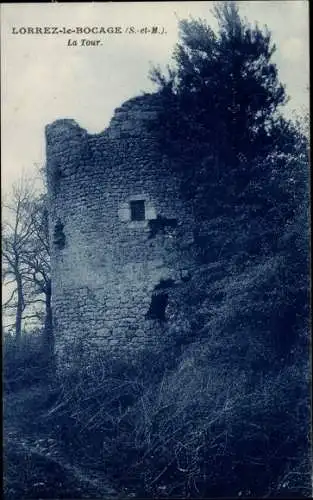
point(137, 210)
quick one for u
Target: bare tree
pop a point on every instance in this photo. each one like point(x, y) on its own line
point(26, 260)
point(16, 231)
point(37, 259)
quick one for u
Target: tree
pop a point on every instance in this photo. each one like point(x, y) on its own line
point(37, 258)
point(244, 166)
point(222, 94)
point(17, 230)
point(222, 126)
point(26, 261)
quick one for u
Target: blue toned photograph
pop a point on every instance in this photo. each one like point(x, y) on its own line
point(156, 250)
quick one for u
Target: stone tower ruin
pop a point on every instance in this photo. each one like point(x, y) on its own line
point(121, 233)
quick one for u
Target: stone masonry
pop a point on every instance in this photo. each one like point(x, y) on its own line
point(121, 234)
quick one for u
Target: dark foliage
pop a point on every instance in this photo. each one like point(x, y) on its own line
point(203, 424)
point(26, 362)
point(222, 92)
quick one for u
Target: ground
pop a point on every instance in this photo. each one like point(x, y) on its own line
point(34, 465)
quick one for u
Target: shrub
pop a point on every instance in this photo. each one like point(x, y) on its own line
point(25, 363)
point(196, 427)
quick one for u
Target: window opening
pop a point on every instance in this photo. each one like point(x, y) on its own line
point(137, 210)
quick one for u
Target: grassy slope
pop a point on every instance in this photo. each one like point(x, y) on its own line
point(34, 466)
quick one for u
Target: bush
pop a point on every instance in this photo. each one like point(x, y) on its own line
point(25, 363)
point(201, 427)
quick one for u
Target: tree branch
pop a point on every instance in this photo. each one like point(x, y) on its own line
point(6, 304)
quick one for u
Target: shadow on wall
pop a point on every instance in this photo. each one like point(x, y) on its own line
point(160, 225)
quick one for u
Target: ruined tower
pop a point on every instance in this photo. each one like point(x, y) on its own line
point(121, 233)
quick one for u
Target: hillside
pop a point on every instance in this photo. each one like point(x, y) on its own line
point(230, 394)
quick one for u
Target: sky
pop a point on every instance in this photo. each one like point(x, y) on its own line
point(45, 77)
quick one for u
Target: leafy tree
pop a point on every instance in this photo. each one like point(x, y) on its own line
point(244, 166)
point(221, 96)
point(221, 124)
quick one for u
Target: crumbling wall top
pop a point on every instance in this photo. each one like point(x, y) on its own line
point(131, 117)
point(63, 128)
point(69, 147)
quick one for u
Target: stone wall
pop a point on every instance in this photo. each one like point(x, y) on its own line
point(111, 275)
